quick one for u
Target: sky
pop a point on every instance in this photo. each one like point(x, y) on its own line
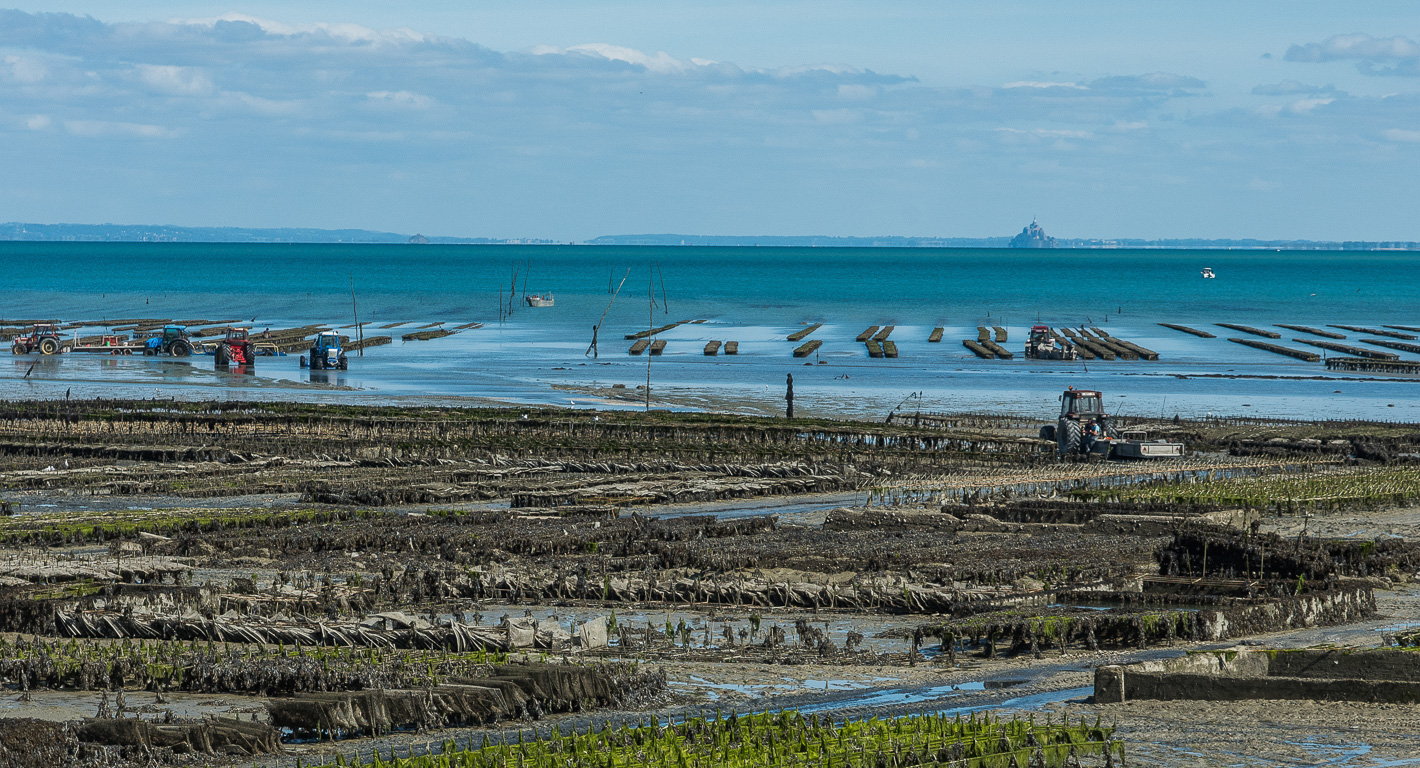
point(569, 120)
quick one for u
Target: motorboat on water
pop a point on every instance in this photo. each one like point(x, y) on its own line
point(1208, 273)
point(540, 300)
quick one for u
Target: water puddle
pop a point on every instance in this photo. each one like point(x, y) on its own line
point(900, 697)
point(788, 686)
point(1404, 626)
point(896, 696)
point(1334, 754)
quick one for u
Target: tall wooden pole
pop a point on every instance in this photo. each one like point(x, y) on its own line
point(359, 330)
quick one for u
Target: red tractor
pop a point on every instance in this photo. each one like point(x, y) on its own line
point(237, 348)
point(44, 338)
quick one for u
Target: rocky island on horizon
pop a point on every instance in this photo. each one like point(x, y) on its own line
point(1033, 236)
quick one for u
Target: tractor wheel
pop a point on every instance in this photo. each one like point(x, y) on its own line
point(251, 355)
point(181, 348)
point(149, 352)
point(1047, 432)
point(20, 349)
point(220, 356)
point(49, 346)
point(317, 362)
point(1070, 438)
point(344, 363)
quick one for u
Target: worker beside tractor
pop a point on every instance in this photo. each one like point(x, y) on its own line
point(1083, 430)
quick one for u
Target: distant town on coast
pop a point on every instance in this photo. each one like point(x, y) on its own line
point(1031, 236)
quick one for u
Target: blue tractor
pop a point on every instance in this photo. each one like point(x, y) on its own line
point(327, 354)
point(174, 341)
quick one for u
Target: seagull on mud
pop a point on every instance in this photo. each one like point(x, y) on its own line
point(32, 367)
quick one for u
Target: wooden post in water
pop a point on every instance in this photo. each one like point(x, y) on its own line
point(789, 398)
point(359, 331)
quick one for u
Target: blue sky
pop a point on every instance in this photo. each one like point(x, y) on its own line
point(569, 120)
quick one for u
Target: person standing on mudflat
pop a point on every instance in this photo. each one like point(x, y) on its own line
point(789, 397)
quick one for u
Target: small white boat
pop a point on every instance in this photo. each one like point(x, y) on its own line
point(540, 300)
point(1208, 273)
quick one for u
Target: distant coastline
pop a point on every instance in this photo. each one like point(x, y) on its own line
point(817, 241)
point(140, 233)
point(149, 233)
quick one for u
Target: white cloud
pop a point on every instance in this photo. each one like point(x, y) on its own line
point(1401, 134)
point(38, 122)
point(1290, 88)
point(1356, 46)
point(809, 69)
point(1302, 106)
point(349, 33)
point(1043, 84)
point(105, 128)
point(1153, 81)
point(25, 69)
point(401, 98)
point(660, 62)
point(1374, 55)
point(852, 92)
point(838, 116)
point(246, 103)
point(1049, 133)
point(174, 80)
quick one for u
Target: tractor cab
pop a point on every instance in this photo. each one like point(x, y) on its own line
point(327, 354)
point(237, 334)
point(1078, 404)
point(171, 332)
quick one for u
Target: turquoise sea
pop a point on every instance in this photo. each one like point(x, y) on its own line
point(752, 295)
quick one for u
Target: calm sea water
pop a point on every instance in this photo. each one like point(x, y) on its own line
point(752, 295)
point(754, 285)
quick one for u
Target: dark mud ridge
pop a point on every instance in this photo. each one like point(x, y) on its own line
point(503, 692)
point(121, 742)
point(1227, 554)
point(507, 692)
point(1380, 675)
point(1063, 628)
